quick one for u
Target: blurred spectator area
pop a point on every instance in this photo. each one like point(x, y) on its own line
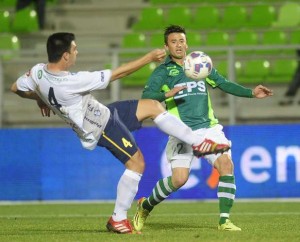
point(261, 35)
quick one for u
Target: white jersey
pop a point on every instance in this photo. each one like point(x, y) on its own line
point(68, 95)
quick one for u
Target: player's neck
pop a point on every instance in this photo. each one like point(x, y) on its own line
point(178, 61)
point(56, 68)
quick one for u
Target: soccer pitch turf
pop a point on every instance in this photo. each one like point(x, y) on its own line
point(170, 221)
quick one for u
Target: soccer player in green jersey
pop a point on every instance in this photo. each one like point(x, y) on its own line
point(190, 101)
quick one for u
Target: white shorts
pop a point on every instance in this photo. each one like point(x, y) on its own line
point(180, 154)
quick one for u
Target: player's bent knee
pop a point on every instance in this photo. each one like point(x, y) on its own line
point(179, 177)
point(155, 107)
point(148, 108)
point(179, 182)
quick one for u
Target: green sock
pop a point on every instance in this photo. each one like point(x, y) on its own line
point(226, 195)
point(160, 192)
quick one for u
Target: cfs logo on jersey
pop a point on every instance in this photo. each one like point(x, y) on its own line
point(211, 181)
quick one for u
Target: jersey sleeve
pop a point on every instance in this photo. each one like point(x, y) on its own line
point(217, 80)
point(154, 86)
point(26, 82)
point(85, 81)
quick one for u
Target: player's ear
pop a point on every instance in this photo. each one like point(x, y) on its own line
point(166, 48)
point(65, 56)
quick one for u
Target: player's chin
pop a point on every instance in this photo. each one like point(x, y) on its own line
point(179, 56)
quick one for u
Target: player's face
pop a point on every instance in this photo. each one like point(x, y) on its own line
point(73, 53)
point(177, 46)
point(70, 56)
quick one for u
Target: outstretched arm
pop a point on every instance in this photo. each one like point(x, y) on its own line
point(217, 80)
point(241, 91)
point(132, 66)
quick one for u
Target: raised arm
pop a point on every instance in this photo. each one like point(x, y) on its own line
point(132, 66)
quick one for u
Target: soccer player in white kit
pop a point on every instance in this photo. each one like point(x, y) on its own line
point(68, 95)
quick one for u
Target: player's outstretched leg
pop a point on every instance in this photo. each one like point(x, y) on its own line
point(209, 147)
point(173, 126)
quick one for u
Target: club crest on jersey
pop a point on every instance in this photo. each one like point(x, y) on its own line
point(40, 74)
point(174, 72)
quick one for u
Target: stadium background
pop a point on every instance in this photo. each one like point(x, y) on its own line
point(42, 160)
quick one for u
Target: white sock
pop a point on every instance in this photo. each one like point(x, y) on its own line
point(173, 126)
point(126, 191)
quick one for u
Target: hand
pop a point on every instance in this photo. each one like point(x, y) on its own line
point(45, 110)
point(174, 91)
point(132, 66)
point(158, 55)
point(262, 92)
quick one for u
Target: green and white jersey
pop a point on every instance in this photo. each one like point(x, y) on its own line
point(192, 105)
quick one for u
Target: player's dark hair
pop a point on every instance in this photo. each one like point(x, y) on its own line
point(172, 29)
point(58, 44)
